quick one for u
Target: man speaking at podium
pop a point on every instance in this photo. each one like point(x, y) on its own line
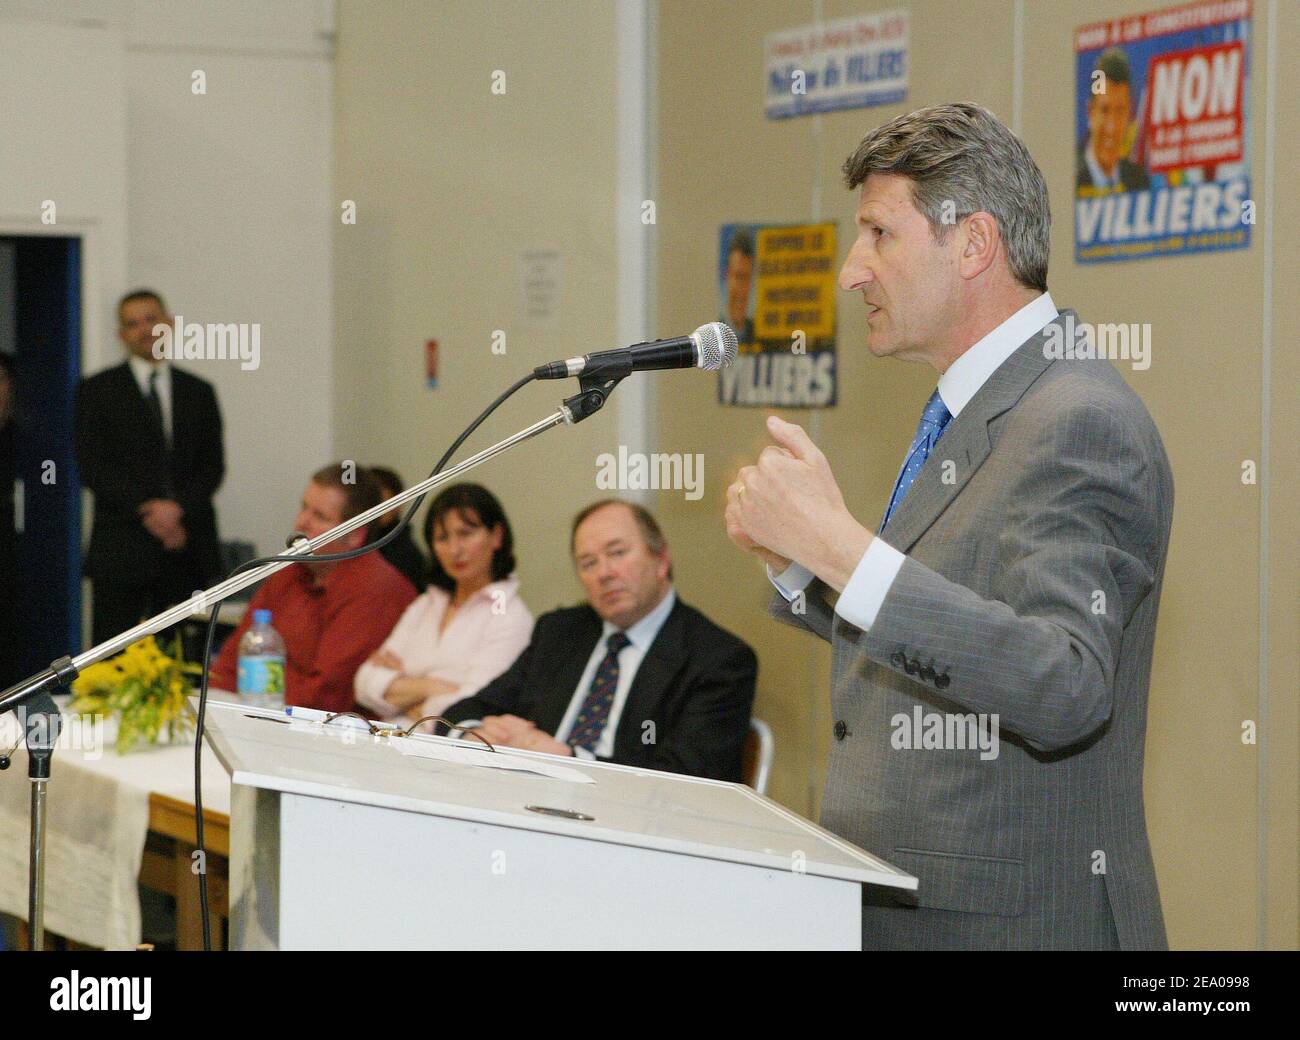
point(1014, 580)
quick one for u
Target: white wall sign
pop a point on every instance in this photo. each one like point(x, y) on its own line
point(849, 63)
point(539, 286)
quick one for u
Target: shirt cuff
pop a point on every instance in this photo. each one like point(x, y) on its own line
point(860, 601)
point(791, 581)
point(371, 684)
point(582, 752)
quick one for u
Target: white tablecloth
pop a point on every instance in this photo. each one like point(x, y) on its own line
point(98, 815)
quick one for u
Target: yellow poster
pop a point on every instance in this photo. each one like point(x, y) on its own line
point(778, 291)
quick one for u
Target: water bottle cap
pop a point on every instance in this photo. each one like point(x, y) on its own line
point(261, 617)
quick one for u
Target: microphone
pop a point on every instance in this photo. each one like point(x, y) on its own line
point(710, 347)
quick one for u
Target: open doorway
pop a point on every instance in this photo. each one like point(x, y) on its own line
point(40, 499)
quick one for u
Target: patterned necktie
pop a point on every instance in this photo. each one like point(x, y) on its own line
point(594, 713)
point(934, 420)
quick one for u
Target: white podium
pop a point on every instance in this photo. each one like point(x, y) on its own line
point(340, 840)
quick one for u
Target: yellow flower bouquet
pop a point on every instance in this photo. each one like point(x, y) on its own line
point(144, 687)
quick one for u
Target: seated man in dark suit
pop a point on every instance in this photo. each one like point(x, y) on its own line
point(635, 676)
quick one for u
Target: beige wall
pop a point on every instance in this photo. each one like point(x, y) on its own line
point(451, 182)
point(1281, 569)
point(1203, 388)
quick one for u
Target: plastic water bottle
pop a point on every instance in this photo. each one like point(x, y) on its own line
point(261, 662)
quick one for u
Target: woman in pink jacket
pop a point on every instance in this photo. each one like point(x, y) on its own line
point(467, 628)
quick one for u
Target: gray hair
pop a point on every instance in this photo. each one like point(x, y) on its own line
point(964, 155)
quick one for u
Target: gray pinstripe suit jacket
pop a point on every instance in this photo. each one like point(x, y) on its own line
point(1062, 491)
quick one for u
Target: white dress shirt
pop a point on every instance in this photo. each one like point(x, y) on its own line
point(1098, 175)
point(640, 636)
point(867, 587)
point(142, 370)
point(480, 642)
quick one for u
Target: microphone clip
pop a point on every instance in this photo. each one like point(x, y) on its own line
point(596, 383)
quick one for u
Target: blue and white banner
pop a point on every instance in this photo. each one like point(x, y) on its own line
point(1162, 133)
point(849, 63)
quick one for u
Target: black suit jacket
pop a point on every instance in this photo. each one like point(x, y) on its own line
point(405, 555)
point(695, 684)
point(1132, 176)
point(124, 461)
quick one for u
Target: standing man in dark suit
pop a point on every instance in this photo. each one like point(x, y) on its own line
point(635, 676)
point(1012, 585)
point(149, 446)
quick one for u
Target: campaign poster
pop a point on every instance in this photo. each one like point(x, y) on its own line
point(777, 285)
point(1162, 133)
point(848, 63)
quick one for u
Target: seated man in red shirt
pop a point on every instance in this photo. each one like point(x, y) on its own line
point(331, 616)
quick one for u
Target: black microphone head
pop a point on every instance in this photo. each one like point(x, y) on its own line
point(715, 344)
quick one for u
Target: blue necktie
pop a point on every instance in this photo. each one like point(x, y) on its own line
point(594, 713)
point(934, 420)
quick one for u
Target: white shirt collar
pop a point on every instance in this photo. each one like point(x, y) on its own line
point(971, 371)
point(508, 587)
point(643, 633)
point(142, 369)
point(1098, 175)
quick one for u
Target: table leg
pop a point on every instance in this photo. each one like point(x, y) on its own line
point(189, 919)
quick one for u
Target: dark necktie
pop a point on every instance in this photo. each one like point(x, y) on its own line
point(594, 713)
point(154, 402)
point(155, 409)
point(934, 420)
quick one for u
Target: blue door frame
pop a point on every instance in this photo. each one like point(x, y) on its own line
point(47, 362)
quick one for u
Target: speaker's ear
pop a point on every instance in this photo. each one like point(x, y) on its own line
point(982, 240)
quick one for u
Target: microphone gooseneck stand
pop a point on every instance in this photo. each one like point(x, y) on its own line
point(33, 695)
point(40, 723)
